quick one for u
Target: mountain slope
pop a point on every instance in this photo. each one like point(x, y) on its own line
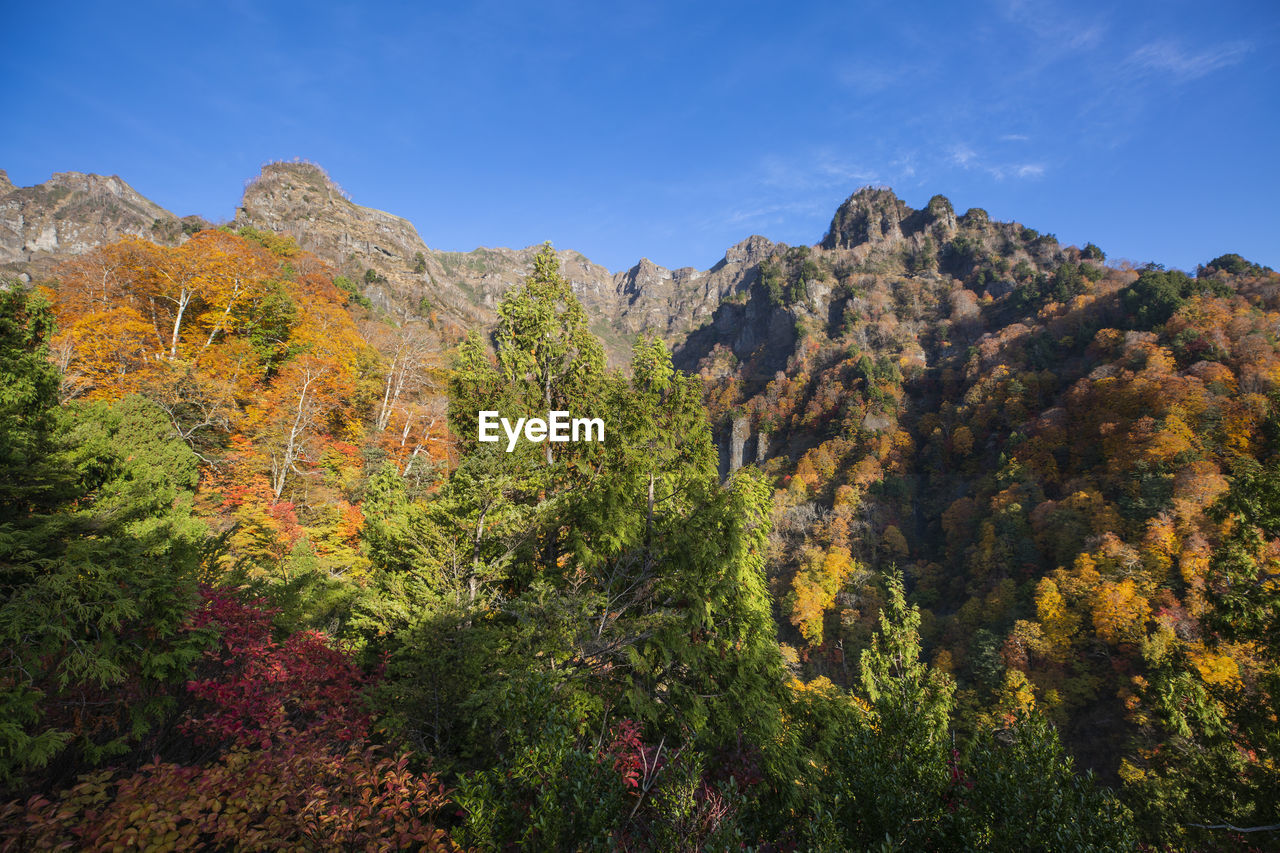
point(402, 275)
point(73, 212)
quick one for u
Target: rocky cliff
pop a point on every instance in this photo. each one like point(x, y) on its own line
point(73, 212)
point(402, 275)
point(751, 302)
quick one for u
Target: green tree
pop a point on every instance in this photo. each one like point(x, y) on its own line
point(882, 773)
point(28, 400)
point(1159, 293)
point(547, 357)
point(1017, 790)
point(619, 579)
point(1217, 742)
point(96, 590)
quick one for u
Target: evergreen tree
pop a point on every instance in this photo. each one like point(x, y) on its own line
point(614, 579)
point(98, 560)
point(28, 401)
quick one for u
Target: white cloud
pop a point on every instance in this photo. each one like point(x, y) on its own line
point(963, 156)
point(1065, 33)
point(770, 214)
point(966, 158)
point(814, 170)
point(1168, 58)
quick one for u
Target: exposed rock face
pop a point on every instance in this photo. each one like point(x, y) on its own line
point(738, 435)
point(749, 252)
point(879, 258)
point(750, 328)
point(654, 300)
point(883, 272)
point(874, 236)
point(73, 212)
point(301, 200)
point(875, 216)
point(870, 215)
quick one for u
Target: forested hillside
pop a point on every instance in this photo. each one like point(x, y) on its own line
point(1004, 574)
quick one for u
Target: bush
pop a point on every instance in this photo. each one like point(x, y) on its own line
point(354, 295)
point(1232, 264)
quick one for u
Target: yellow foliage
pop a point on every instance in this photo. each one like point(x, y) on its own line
point(1160, 546)
point(1193, 565)
point(814, 589)
point(942, 661)
point(1017, 696)
point(1160, 360)
point(1215, 668)
point(106, 354)
point(1120, 612)
point(1057, 623)
point(1028, 637)
point(847, 496)
point(1084, 576)
point(1130, 774)
point(1157, 646)
point(1173, 438)
point(823, 688)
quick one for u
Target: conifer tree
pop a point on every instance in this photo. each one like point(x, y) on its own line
point(618, 577)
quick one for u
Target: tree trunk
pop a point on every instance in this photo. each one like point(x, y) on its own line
point(183, 299)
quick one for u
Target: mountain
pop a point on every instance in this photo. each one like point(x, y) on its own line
point(73, 212)
point(693, 310)
point(402, 275)
point(761, 301)
point(925, 266)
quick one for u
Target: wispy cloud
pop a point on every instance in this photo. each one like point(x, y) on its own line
point(904, 165)
point(1167, 58)
point(1064, 32)
point(812, 170)
point(868, 79)
point(771, 214)
point(966, 158)
point(963, 156)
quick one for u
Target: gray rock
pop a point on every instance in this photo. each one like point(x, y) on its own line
point(73, 212)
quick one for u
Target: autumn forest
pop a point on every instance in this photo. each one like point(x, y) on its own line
point(954, 538)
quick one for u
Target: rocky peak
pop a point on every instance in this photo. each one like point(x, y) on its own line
point(382, 251)
point(874, 216)
point(750, 251)
point(288, 191)
point(96, 185)
point(871, 215)
point(72, 212)
point(940, 215)
point(643, 276)
point(6, 185)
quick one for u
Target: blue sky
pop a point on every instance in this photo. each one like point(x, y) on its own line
point(673, 130)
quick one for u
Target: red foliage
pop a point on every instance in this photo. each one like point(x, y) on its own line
point(259, 690)
point(298, 795)
point(628, 753)
point(297, 775)
point(959, 782)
